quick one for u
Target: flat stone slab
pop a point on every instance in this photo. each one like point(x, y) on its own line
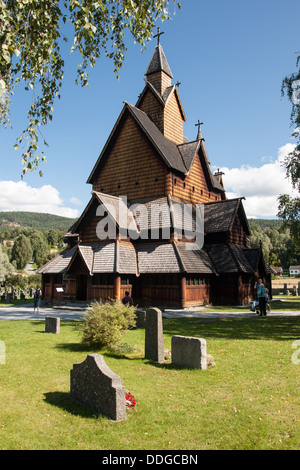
point(189, 352)
point(52, 325)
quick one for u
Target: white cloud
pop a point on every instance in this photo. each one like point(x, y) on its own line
point(19, 196)
point(75, 201)
point(259, 185)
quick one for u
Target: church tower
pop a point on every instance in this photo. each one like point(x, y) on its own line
point(160, 99)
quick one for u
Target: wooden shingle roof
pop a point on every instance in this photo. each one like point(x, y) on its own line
point(228, 258)
point(158, 62)
point(220, 215)
point(194, 261)
point(59, 264)
point(157, 258)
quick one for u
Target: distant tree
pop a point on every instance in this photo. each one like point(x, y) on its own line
point(278, 246)
point(31, 35)
point(289, 207)
point(21, 252)
point(6, 269)
point(40, 248)
point(17, 280)
point(53, 237)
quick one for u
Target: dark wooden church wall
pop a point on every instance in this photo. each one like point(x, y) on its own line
point(133, 169)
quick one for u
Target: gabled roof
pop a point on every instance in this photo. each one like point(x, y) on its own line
point(167, 150)
point(105, 257)
point(188, 151)
point(115, 208)
point(229, 258)
point(163, 100)
point(220, 215)
point(164, 213)
point(59, 264)
point(158, 62)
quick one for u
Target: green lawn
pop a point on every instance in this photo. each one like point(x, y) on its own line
point(282, 304)
point(249, 400)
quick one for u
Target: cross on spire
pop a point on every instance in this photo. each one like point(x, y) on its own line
point(199, 124)
point(158, 35)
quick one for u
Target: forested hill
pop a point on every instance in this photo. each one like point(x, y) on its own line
point(265, 223)
point(45, 222)
point(35, 220)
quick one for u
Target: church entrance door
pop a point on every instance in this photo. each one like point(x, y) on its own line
point(81, 287)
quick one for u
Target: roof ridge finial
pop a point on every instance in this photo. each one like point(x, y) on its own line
point(158, 35)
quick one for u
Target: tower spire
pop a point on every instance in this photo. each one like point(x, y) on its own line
point(158, 61)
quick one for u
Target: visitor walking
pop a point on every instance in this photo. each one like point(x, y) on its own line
point(37, 299)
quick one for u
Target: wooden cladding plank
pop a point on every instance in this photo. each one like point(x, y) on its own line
point(173, 123)
point(133, 167)
point(194, 186)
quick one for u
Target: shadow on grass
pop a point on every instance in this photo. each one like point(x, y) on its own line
point(77, 347)
point(64, 401)
point(257, 328)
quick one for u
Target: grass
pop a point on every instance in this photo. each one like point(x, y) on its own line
point(16, 302)
point(249, 400)
point(282, 304)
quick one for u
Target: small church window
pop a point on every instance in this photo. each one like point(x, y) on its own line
point(175, 181)
point(193, 189)
point(58, 279)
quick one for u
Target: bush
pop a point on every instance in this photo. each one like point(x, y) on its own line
point(105, 323)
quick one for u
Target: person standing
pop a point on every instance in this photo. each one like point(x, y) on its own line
point(127, 300)
point(261, 297)
point(37, 293)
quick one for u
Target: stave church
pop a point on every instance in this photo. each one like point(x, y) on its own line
point(147, 163)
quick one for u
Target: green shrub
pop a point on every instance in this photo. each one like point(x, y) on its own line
point(105, 323)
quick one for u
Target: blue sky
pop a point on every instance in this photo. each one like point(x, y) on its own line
point(230, 57)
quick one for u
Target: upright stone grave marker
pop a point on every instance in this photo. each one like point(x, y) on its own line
point(52, 325)
point(95, 385)
point(154, 345)
point(189, 352)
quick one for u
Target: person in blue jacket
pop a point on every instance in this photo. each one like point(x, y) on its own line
point(261, 297)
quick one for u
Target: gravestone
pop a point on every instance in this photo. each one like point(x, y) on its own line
point(140, 318)
point(52, 325)
point(189, 352)
point(154, 346)
point(95, 385)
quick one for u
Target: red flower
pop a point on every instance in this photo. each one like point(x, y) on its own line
point(130, 400)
